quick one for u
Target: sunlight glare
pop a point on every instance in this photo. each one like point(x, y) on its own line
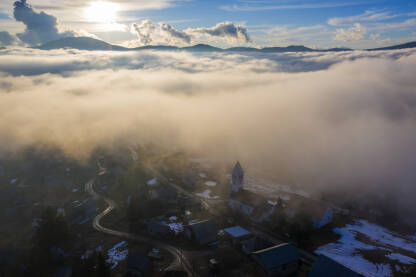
point(102, 12)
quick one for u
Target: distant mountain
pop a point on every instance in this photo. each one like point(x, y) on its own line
point(86, 43)
point(156, 47)
point(396, 47)
point(243, 49)
point(202, 48)
point(80, 43)
point(338, 49)
point(292, 48)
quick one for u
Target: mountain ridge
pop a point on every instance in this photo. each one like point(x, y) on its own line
point(91, 44)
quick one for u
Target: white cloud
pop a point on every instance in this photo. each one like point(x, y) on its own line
point(226, 30)
point(367, 16)
point(151, 33)
point(251, 7)
point(357, 32)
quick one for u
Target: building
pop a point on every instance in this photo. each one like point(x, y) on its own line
point(203, 232)
point(237, 234)
point(138, 266)
point(279, 260)
point(325, 266)
point(254, 244)
point(237, 178)
point(320, 213)
point(158, 229)
point(248, 203)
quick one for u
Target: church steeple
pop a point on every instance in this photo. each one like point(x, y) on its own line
point(237, 178)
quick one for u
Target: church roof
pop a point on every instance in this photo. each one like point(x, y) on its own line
point(237, 168)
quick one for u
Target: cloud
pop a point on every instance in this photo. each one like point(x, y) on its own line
point(144, 31)
point(367, 16)
point(226, 30)
point(174, 33)
point(346, 128)
point(357, 32)
point(353, 125)
point(40, 27)
point(7, 39)
point(262, 7)
point(150, 33)
point(21, 61)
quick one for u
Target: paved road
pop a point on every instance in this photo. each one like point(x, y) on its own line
point(180, 258)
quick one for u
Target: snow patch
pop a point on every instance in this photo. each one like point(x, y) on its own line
point(202, 175)
point(401, 258)
point(116, 255)
point(206, 194)
point(345, 250)
point(152, 182)
point(176, 227)
point(210, 183)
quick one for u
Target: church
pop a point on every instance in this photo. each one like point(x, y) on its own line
point(243, 201)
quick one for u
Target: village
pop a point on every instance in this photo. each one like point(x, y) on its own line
point(181, 217)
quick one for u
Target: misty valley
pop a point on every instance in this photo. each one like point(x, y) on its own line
point(163, 138)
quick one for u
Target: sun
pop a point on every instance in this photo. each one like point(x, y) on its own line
point(102, 12)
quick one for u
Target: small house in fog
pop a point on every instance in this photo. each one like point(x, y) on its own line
point(156, 228)
point(325, 266)
point(254, 244)
point(237, 234)
point(320, 214)
point(279, 260)
point(138, 266)
point(203, 232)
point(246, 202)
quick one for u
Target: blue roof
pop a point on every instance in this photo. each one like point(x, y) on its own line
point(325, 266)
point(237, 231)
point(277, 255)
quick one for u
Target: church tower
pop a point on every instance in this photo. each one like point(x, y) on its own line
point(237, 178)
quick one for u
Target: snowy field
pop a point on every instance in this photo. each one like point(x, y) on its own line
point(207, 194)
point(362, 235)
point(117, 254)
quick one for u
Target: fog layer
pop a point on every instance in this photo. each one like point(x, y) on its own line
point(350, 124)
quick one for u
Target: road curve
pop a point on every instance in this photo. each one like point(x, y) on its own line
point(180, 258)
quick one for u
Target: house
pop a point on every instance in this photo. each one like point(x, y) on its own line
point(325, 266)
point(237, 234)
point(203, 232)
point(63, 271)
point(156, 228)
point(246, 202)
point(320, 213)
point(138, 266)
point(279, 260)
point(254, 244)
point(165, 194)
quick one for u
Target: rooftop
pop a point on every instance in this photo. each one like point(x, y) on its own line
point(324, 266)
point(237, 231)
point(277, 255)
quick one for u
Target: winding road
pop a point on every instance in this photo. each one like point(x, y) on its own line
point(180, 258)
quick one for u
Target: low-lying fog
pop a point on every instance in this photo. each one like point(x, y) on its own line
point(330, 120)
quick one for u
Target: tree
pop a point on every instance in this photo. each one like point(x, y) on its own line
point(102, 267)
point(53, 230)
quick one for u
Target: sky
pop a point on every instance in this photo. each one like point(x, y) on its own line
point(315, 23)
